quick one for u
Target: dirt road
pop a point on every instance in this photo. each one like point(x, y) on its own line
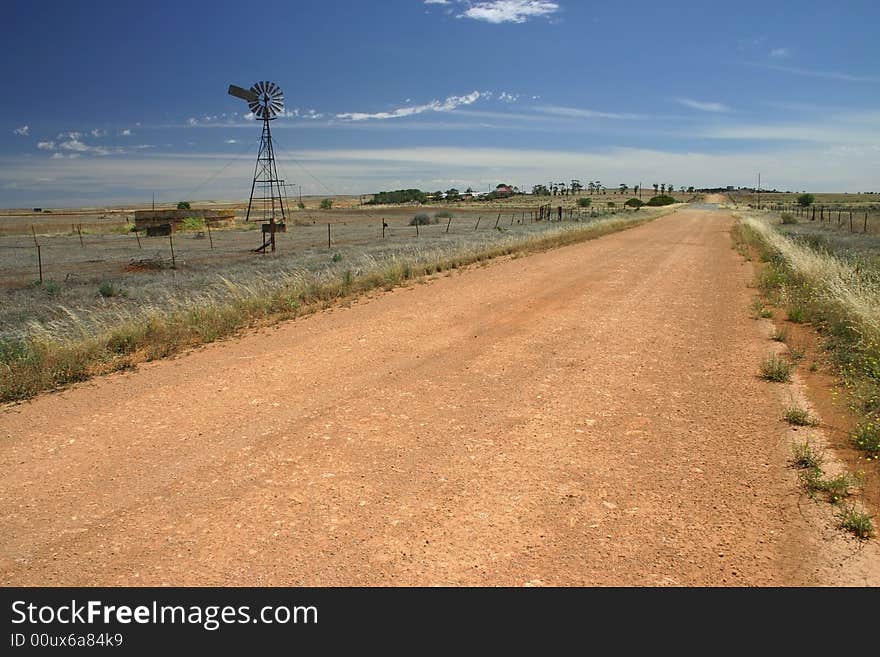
point(586, 416)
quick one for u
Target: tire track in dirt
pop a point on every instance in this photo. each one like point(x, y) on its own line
point(585, 416)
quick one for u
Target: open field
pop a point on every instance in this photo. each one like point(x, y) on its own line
point(588, 415)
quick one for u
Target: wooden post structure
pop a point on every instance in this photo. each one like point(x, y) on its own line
point(138, 236)
point(476, 225)
point(40, 263)
point(328, 235)
point(865, 230)
point(173, 259)
point(210, 238)
point(448, 224)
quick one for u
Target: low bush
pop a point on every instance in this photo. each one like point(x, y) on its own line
point(584, 202)
point(789, 219)
point(776, 369)
point(661, 200)
point(423, 219)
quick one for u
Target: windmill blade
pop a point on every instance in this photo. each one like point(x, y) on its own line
point(244, 94)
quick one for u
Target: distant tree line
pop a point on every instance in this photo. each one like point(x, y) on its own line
point(398, 196)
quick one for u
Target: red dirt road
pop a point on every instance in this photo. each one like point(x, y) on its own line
point(586, 416)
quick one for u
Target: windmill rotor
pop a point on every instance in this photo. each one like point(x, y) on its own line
point(266, 100)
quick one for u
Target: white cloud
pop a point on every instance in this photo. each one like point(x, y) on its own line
point(23, 131)
point(702, 105)
point(125, 133)
point(505, 97)
point(576, 113)
point(833, 130)
point(780, 52)
point(509, 11)
point(46, 145)
point(436, 2)
point(232, 141)
point(97, 132)
point(447, 105)
point(826, 75)
point(77, 146)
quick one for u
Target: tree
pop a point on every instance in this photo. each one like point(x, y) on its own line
point(183, 205)
point(691, 189)
point(805, 200)
point(326, 203)
point(662, 188)
point(540, 190)
point(623, 188)
point(452, 194)
point(576, 186)
point(656, 187)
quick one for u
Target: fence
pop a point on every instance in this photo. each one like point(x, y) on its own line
point(78, 254)
point(856, 220)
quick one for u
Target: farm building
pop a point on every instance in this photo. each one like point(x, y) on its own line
point(165, 221)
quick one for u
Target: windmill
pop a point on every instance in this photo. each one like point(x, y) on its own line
point(266, 102)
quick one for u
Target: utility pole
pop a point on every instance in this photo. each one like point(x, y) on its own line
point(154, 201)
point(759, 189)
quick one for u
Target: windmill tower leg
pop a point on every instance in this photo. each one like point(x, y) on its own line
point(267, 190)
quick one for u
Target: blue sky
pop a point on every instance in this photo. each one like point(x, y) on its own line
point(110, 102)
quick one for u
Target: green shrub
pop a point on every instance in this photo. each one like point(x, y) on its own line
point(301, 205)
point(634, 203)
point(107, 289)
point(789, 219)
point(661, 200)
point(856, 522)
point(776, 369)
point(804, 457)
point(422, 219)
point(584, 202)
point(799, 417)
point(183, 205)
point(193, 223)
point(867, 438)
point(805, 199)
point(326, 203)
point(796, 315)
